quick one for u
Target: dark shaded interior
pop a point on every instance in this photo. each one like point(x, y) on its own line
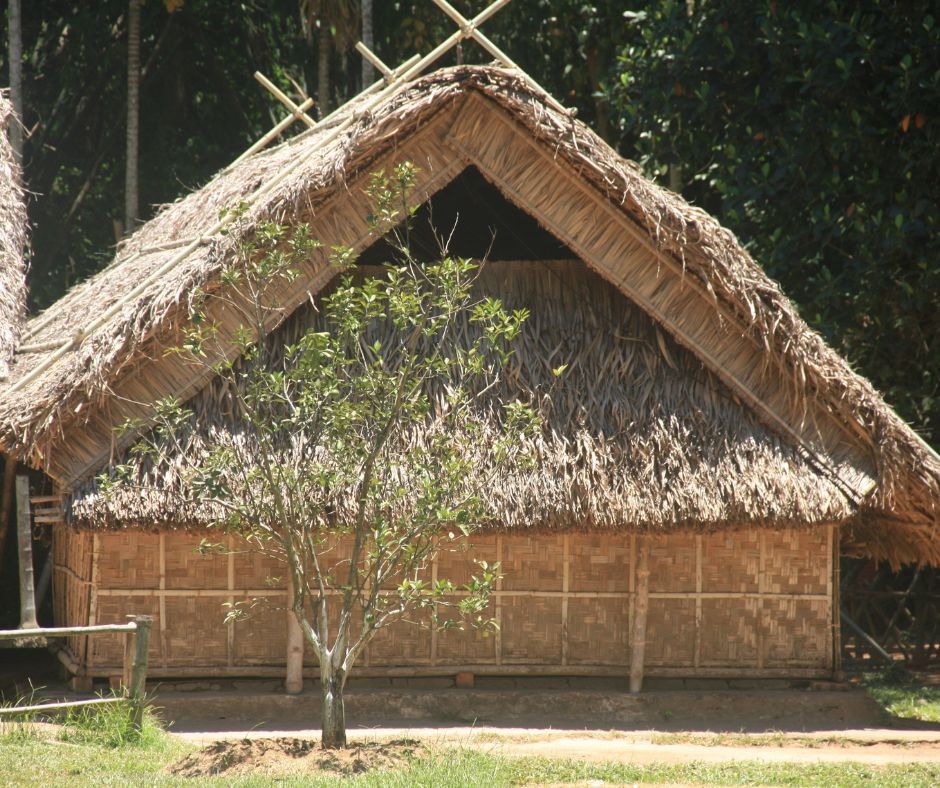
point(472, 219)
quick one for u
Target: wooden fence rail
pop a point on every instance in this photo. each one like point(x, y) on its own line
point(134, 679)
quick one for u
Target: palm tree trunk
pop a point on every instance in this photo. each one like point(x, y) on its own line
point(15, 48)
point(368, 72)
point(323, 69)
point(131, 181)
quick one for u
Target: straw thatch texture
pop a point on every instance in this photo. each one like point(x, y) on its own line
point(12, 243)
point(637, 434)
point(864, 449)
point(564, 605)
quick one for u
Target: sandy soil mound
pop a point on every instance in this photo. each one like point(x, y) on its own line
point(294, 756)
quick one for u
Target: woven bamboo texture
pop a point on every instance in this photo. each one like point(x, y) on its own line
point(71, 592)
point(718, 603)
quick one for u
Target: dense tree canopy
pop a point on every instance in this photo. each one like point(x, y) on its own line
point(808, 128)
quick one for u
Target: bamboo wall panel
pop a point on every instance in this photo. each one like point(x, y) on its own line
point(599, 562)
point(130, 560)
point(261, 639)
point(468, 646)
point(598, 631)
point(106, 652)
point(531, 630)
point(796, 564)
point(71, 587)
point(204, 639)
point(672, 563)
point(564, 602)
point(731, 562)
point(796, 631)
point(670, 632)
point(186, 567)
point(456, 563)
point(403, 643)
point(532, 562)
point(729, 632)
point(255, 570)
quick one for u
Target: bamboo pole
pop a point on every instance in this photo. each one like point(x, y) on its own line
point(44, 707)
point(24, 536)
point(294, 680)
point(61, 632)
point(836, 603)
point(286, 100)
point(641, 605)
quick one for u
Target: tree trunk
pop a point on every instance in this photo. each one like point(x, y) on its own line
point(368, 72)
point(15, 43)
point(323, 70)
point(332, 684)
point(131, 180)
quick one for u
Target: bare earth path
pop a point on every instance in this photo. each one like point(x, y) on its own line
point(870, 746)
point(796, 726)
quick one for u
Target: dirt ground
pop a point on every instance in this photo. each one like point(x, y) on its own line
point(872, 746)
point(283, 755)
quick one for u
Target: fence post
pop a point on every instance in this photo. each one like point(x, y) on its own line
point(138, 682)
point(127, 670)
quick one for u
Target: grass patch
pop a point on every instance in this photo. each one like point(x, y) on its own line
point(474, 768)
point(900, 694)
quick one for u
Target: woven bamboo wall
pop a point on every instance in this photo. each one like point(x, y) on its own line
point(71, 588)
point(735, 603)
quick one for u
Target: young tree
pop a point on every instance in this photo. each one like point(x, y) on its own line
point(373, 437)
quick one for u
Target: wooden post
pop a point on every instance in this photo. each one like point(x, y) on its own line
point(294, 680)
point(138, 685)
point(24, 535)
point(835, 600)
point(638, 652)
point(9, 479)
point(127, 671)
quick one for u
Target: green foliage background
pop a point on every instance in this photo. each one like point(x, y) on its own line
point(811, 129)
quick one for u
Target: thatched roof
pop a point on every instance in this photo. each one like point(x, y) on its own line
point(12, 243)
point(814, 418)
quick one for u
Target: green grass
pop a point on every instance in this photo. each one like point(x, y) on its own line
point(901, 695)
point(52, 762)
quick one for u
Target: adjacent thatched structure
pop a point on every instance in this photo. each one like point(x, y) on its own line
point(12, 243)
point(703, 435)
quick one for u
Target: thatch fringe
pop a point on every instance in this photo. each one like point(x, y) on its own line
point(12, 243)
point(637, 434)
point(38, 417)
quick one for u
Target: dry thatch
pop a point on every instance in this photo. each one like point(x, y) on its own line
point(637, 433)
point(12, 242)
point(61, 394)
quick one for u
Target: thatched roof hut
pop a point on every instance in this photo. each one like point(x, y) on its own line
point(705, 454)
point(12, 243)
point(831, 450)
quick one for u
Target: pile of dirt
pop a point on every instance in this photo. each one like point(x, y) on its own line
point(292, 755)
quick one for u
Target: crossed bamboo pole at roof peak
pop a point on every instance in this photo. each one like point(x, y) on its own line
point(371, 97)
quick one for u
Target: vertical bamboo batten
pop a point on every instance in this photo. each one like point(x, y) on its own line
point(93, 598)
point(762, 617)
point(565, 583)
point(434, 621)
point(294, 677)
point(230, 571)
point(641, 606)
point(163, 644)
point(835, 604)
point(498, 605)
point(697, 657)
